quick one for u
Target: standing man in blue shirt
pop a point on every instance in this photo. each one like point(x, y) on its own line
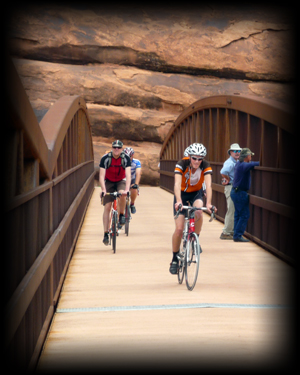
point(227, 173)
point(239, 193)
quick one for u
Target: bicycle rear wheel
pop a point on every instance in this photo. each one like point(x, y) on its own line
point(114, 230)
point(127, 218)
point(192, 261)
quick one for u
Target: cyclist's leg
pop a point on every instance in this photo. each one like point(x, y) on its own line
point(106, 216)
point(176, 240)
point(133, 193)
point(107, 203)
point(198, 202)
point(177, 235)
point(122, 201)
point(106, 222)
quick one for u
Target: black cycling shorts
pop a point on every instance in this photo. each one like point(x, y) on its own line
point(111, 187)
point(188, 198)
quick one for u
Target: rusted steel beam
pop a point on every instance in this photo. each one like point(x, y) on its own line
point(267, 128)
point(56, 122)
point(23, 295)
point(271, 111)
point(23, 118)
point(49, 179)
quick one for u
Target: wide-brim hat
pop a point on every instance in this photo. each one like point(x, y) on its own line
point(234, 147)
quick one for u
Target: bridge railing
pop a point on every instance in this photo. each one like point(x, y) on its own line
point(49, 181)
point(267, 128)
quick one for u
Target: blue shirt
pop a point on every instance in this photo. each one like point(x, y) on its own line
point(134, 165)
point(242, 177)
point(228, 168)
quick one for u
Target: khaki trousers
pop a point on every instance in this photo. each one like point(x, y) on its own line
point(229, 217)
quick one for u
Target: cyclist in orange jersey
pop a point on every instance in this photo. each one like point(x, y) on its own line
point(190, 173)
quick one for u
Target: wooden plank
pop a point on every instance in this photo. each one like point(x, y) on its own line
point(138, 275)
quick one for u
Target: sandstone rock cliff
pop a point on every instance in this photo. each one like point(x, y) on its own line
point(139, 67)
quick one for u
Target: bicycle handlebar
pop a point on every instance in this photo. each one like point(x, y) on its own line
point(115, 194)
point(212, 216)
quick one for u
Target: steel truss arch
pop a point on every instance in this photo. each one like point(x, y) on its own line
point(49, 179)
point(267, 128)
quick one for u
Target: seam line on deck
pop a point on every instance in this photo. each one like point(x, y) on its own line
point(170, 307)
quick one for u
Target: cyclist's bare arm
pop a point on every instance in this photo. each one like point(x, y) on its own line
point(101, 180)
point(138, 173)
point(177, 190)
point(128, 179)
point(207, 180)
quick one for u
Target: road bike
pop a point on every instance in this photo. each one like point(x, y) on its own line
point(189, 257)
point(128, 210)
point(113, 229)
point(127, 215)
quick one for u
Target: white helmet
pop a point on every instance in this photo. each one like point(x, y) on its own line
point(186, 151)
point(129, 151)
point(197, 149)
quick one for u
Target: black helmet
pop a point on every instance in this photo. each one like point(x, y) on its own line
point(117, 143)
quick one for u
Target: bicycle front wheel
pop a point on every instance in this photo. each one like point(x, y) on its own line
point(181, 266)
point(192, 261)
point(114, 230)
point(127, 218)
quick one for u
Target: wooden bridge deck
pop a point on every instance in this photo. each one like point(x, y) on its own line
point(126, 310)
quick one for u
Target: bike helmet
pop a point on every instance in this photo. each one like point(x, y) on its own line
point(186, 152)
point(197, 149)
point(129, 151)
point(117, 143)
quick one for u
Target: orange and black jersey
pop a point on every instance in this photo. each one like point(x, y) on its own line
point(192, 181)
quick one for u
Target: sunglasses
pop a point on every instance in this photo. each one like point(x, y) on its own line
point(235, 151)
point(118, 148)
point(197, 159)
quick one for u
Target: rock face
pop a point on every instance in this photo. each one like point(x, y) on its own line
point(146, 152)
point(138, 67)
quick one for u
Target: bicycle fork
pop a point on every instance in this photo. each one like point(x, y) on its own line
point(185, 239)
point(112, 222)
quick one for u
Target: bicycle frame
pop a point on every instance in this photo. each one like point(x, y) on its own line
point(113, 225)
point(114, 209)
point(189, 227)
point(189, 255)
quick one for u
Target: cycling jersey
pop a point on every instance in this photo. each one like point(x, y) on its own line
point(115, 172)
point(135, 164)
point(192, 181)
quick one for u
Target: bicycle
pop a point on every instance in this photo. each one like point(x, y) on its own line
point(127, 215)
point(189, 257)
point(113, 230)
point(128, 210)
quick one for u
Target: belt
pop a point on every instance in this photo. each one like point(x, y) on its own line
point(239, 189)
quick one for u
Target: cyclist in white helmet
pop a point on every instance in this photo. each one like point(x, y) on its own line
point(190, 173)
point(136, 171)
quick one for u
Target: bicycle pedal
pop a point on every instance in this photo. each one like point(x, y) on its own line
point(180, 256)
